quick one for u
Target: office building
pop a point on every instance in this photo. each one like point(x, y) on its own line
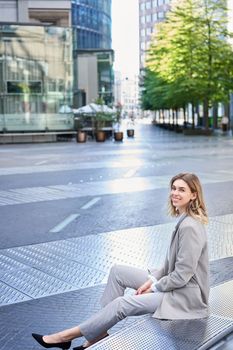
point(150, 13)
point(93, 23)
point(92, 27)
point(36, 66)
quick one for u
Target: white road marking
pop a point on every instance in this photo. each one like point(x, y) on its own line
point(91, 203)
point(42, 162)
point(64, 223)
point(130, 173)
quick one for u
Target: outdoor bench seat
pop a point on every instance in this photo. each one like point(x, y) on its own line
point(152, 334)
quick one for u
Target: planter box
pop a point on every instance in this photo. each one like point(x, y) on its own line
point(118, 136)
point(197, 131)
point(81, 137)
point(130, 132)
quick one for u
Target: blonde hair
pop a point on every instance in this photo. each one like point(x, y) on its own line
point(196, 207)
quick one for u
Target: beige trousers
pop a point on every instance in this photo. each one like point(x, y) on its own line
point(116, 306)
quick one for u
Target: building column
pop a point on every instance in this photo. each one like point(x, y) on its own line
point(22, 11)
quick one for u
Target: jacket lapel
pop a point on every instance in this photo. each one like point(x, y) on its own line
point(177, 227)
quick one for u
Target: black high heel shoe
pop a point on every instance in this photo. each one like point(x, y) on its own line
point(81, 347)
point(39, 339)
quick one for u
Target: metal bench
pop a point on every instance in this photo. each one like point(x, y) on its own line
point(152, 334)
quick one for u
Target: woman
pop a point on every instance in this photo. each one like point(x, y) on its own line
point(179, 290)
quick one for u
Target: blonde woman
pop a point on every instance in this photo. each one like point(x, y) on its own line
point(179, 290)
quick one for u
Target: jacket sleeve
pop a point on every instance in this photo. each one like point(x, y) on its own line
point(190, 246)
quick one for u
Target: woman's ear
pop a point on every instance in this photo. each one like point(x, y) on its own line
point(194, 195)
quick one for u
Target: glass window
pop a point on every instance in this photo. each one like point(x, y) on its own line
point(148, 31)
point(148, 18)
point(154, 3)
point(143, 19)
point(143, 46)
point(142, 58)
point(148, 5)
point(160, 14)
point(142, 6)
point(143, 32)
point(37, 65)
point(160, 2)
point(154, 17)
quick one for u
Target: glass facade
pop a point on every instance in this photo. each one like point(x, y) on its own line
point(105, 77)
point(36, 78)
point(92, 20)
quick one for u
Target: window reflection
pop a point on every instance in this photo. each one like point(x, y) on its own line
point(36, 77)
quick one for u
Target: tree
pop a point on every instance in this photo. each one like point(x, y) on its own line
point(191, 55)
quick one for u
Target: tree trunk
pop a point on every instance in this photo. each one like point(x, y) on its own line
point(198, 114)
point(193, 117)
point(206, 114)
point(227, 110)
point(215, 116)
point(184, 113)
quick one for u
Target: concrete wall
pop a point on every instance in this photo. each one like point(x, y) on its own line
point(88, 76)
point(49, 4)
point(8, 11)
point(18, 10)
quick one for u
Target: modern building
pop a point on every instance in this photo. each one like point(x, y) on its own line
point(92, 26)
point(36, 66)
point(94, 76)
point(40, 69)
point(150, 13)
point(127, 94)
point(93, 23)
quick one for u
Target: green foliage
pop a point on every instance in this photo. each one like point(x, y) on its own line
point(102, 119)
point(190, 59)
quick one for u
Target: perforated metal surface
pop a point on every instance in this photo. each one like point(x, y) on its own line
point(35, 283)
point(151, 334)
point(222, 306)
point(85, 261)
point(9, 295)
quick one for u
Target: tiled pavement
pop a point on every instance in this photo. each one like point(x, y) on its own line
point(45, 287)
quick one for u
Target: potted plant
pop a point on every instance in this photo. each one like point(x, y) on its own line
point(118, 134)
point(101, 119)
point(130, 126)
point(81, 135)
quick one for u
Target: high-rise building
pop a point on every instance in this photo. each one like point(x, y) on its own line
point(93, 23)
point(92, 28)
point(150, 13)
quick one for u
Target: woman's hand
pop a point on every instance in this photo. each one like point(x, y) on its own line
point(145, 288)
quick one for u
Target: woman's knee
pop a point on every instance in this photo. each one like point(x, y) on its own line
point(120, 308)
point(116, 272)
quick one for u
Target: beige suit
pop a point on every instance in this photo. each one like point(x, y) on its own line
point(183, 284)
point(184, 278)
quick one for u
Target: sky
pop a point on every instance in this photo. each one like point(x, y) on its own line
point(125, 37)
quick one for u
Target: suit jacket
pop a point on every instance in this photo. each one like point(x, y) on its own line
point(184, 278)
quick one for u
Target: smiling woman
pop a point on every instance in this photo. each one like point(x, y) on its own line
point(187, 196)
point(165, 292)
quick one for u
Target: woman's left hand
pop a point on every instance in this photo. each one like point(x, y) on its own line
point(145, 288)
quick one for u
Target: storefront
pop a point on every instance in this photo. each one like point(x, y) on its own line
point(36, 78)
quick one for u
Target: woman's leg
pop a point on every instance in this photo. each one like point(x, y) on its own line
point(120, 278)
point(118, 309)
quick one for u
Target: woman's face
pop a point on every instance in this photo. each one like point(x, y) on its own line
point(181, 195)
